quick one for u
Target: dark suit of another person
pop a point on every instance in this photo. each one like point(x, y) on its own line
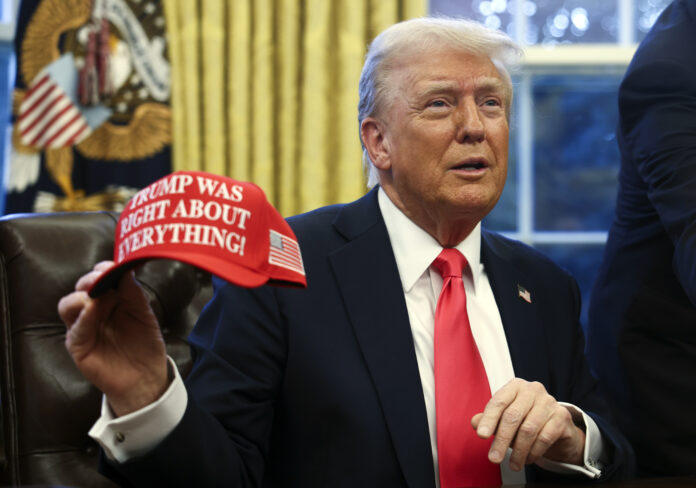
point(642, 322)
point(325, 380)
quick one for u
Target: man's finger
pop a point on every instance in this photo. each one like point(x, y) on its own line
point(508, 425)
point(488, 421)
point(103, 265)
point(70, 306)
point(475, 420)
point(84, 283)
point(560, 423)
point(550, 433)
point(533, 425)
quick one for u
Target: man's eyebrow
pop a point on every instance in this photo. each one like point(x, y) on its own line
point(438, 87)
point(490, 84)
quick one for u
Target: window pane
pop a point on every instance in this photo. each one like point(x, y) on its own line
point(556, 21)
point(576, 158)
point(504, 216)
point(547, 21)
point(646, 13)
point(496, 14)
point(582, 261)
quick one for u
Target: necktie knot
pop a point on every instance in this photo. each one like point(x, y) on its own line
point(450, 263)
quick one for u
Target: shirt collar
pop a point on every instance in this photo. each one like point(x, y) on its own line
point(415, 249)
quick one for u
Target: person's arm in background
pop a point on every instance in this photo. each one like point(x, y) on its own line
point(657, 108)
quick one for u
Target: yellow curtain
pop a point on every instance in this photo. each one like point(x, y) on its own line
point(267, 91)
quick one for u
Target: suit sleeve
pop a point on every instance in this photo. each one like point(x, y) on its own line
point(657, 107)
point(223, 438)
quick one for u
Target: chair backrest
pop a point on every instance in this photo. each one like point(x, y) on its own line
point(47, 406)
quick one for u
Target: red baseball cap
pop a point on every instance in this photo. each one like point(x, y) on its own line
point(219, 224)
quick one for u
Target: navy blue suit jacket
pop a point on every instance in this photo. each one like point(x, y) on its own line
point(320, 387)
point(642, 319)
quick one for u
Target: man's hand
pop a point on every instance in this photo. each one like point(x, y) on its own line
point(523, 416)
point(116, 342)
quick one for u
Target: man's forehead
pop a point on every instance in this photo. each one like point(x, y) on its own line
point(480, 82)
point(416, 72)
point(430, 65)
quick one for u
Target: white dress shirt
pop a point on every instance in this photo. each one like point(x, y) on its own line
point(134, 434)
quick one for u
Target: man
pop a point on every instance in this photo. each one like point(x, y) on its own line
point(341, 384)
point(641, 328)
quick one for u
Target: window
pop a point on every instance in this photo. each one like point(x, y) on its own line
point(564, 160)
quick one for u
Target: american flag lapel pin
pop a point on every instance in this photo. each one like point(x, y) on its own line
point(524, 294)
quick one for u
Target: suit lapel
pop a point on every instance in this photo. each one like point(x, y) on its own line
point(521, 319)
point(377, 311)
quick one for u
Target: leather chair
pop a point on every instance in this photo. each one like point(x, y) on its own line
point(47, 406)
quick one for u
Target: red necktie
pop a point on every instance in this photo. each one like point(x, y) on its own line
point(461, 385)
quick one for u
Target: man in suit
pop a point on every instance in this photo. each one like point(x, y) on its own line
point(339, 384)
point(642, 319)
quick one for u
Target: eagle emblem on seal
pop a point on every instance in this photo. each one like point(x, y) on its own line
point(98, 83)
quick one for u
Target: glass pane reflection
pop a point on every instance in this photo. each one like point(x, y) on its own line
point(571, 21)
point(547, 21)
point(504, 216)
point(496, 14)
point(646, 13)
point(576, 158)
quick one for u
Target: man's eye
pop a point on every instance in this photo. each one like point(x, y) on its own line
point(491, 102)
point(437, 103)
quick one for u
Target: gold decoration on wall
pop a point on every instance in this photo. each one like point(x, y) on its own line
point(148, 131)
point(59, 163)
point(51, 19)
point(139, 127)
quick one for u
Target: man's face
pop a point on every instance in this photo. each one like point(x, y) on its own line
point(444, 144)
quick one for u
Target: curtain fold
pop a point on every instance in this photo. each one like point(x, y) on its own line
point(267, 91)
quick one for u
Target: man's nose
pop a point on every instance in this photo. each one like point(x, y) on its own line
point(470, 126)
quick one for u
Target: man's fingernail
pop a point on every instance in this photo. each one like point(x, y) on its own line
point(484, 431)
point(495, 456)
point(515, 466)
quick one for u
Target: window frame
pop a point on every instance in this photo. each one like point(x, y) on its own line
point(561, 59)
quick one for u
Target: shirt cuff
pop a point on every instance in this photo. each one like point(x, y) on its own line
point(593, 452)
point(124, 438)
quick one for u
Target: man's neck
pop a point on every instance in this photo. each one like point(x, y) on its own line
point(444, 227)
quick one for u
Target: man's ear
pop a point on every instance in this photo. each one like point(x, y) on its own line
point(373, 135)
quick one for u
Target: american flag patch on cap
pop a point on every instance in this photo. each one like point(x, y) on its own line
point(285, 252)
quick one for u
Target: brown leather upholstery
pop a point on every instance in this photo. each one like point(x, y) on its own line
point(47, 407)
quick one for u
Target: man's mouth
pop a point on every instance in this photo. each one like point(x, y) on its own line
point(471, 165)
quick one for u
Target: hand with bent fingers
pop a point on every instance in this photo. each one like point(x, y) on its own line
point(523, 416)
point(115, 341)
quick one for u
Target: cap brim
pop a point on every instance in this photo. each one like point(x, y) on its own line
point(225, 269)
point(110, 278)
